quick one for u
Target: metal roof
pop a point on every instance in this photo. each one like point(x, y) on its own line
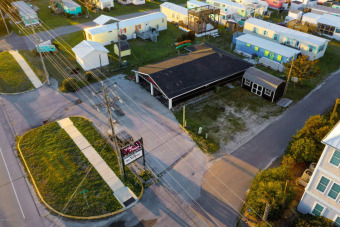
point(230, 3)
point(325, 9)
point(263, 79)
point(23, 8)
point(329, 20)
point(86, 47)
point(197, 3)
point(301, 36)
point(268, 45)
point(174, 7)
point(70, 4)
point(103, 19)
point(295, 11)
point(333, 137)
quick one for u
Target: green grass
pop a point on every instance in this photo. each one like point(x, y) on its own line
point(12, 77)
point(206, 113)
point(276, 16)
point(3, 30)
point(54, 21)
point(58, 167)
point(34, 63)
point(107, 153)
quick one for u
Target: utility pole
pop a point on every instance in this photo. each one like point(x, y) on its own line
point(290, 71)
point(114, 138)
point(335, 107)
point(3, 19)
point(118, 35)
point(184, 123)
point(39, 50)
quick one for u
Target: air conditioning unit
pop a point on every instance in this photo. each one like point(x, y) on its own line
point(307, 175)
point(312, 166)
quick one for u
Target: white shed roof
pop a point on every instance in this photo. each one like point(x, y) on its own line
point(329, 20)
point(86, 47)
point(268, 45)
point(333, 137)
point(176, 8)
point(103, 19)
point(123, 23)
point(198, 3)
point(312, 15)
point(301, 36)
point(23, 8)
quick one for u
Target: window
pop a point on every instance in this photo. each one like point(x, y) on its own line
point(139, 26)
point(337, 222)
point(248, 45)
point(267, 92)
point(89, 36)
point(276, 37)
point(163, 20)
point(311, 48)
point(279, 57)
point(317, 211)
point(321, 48)
point(173, 15)
point(217, 4)
point(255, 29)
point(335, 160)
point(266, 53)
point(265, 32)
point(223, 17)
point(256, 49)
point(323, 183)
point(109, 31)
point(123, 31)
point(337, 30)
point(246, 82)
point(334, 192)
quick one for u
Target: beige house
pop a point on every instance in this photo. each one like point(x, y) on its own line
point(107, 31)
point(104, 3)
point(174, 13)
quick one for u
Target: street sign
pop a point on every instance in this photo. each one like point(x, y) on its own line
point(132, 152)
point(83, 191)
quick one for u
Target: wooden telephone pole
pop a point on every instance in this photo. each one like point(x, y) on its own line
point(335, 107)
point(290, 71)
point(3, 19)
point(114, 138)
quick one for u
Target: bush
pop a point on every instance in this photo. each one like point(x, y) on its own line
point(3, 29)
point(185, 36)
point(308, 220)
point(106, 9)
point(69, 84)
point(112, 8)
point(67, 15)
point(89, 76)
point(191, 35)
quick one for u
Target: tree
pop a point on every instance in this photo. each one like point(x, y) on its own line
point(69, 84)
point(305, 149)
point(303, 68)
point(308, 220)
point(316, 127)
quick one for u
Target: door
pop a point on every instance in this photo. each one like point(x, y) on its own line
point(147, 26)
point(257, 89)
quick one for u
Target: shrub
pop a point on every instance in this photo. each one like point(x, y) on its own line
point(69, 84)
point(185, 36)
point(89, 76)
point(306, 150)
point(179, 39)
point(308, 220)
point(191, 35)
point(68, 15)
point(106, 9)
point(112, 8)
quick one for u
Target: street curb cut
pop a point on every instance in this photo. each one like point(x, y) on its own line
point(62, 214)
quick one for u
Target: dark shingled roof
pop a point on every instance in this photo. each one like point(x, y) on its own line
point(201, 67)
point(124, 45)
point(262, 78)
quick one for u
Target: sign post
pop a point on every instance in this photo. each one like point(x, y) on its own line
point(133, 152)
point(83, 192)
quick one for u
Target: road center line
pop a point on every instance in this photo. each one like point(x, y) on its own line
point(10, 178)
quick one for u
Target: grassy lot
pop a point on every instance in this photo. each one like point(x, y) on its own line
point(59, 20)
point(58, 167)
point(222, 115)
point(107, 153)
point(276, 16)
point(34, 63)
point(3, 30)
point(12, 77)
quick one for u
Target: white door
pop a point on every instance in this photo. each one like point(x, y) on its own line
point(257, 89)
point(147, 26)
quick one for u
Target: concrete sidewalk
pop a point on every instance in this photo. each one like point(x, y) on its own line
point(26, 68)
point(124, 195)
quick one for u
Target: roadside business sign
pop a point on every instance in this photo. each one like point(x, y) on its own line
point(132, 152)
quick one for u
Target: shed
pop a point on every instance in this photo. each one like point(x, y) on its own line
point(190, 75)
point(125, 49)
point(104, 3)
point(26, 13)
point(293, 15)
point(71, 7)
point(260, 47)
point(263, 84)
point(46, 46)
point(296, 5)
point(91, 55)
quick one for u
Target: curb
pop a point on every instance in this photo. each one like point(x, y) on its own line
point(23, 92)
point(62, 214)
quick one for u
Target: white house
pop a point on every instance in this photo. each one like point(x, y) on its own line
point(311, 18)
point(328, 25)
point(103, 3)
point(194, 3)
point(174, 13)
point(321, 196)
point(320, 9)
point(226, 5)
point(26, 13)
point(258, 5)
point(309, 45)
point(107, 31)
point(91, 55)
point(293, 15)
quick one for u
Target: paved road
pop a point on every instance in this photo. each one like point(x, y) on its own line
point(239, 168)
point(16, 42)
